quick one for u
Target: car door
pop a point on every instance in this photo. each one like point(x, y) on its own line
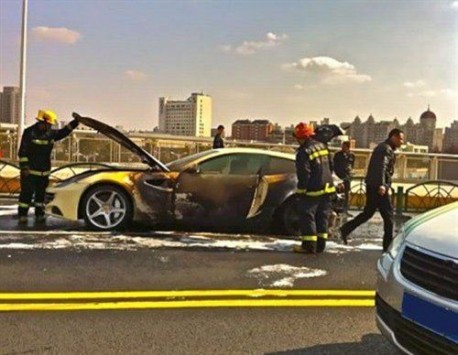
point(221, 191)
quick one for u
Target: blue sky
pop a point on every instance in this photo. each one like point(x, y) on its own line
point(282, 60)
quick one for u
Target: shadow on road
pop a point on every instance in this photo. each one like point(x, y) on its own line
point(374, 344)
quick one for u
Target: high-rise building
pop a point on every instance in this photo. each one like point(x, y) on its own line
point(451, 138)
point(257, 130)
point(192, 117)
point(10, 105)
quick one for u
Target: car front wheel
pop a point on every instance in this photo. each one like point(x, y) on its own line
point(107, 208)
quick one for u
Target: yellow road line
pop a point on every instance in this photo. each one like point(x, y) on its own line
point(185, 304)
point(182, 293)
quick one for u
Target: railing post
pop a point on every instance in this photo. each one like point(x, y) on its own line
point(399, 201)
point(433, 168)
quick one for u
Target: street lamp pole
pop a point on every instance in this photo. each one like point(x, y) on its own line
point(23, 72)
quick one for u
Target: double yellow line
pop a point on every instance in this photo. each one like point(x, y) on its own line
point(117, 300)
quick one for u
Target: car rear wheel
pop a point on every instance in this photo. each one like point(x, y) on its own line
point(107, 208)
point(289, 218)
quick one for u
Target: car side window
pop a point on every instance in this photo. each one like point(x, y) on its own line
point(247, 164)
point(235, 164)
point(216, 165)
point(281, 166)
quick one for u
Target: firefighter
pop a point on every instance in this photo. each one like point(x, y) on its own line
point(315, 189)
point(35, 161)
point(344, 161)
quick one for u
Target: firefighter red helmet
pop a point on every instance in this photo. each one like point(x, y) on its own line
point(303, 131)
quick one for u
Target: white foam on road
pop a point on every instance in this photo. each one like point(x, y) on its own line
point(283, 275)
point(8, 210)
point(107, 241)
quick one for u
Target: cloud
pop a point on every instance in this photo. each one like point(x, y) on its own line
point(135, 75)
point(226, 48)
point(427, 93)
point(454, 5)
point(251, 47)
point(415, 84)
point(448, 93)
point(56, 34)
point(328, 70)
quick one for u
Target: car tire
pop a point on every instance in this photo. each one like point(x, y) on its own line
point(288, 218)
point(107, 207)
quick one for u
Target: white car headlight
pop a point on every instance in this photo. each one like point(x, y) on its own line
point(396, 244)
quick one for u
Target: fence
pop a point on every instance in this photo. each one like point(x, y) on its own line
point(89, 146)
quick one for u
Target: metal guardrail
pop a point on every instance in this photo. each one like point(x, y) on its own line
point(417, 198)
point(428, 195)
point(10, 174)
point(357, 197)
point(89, 146)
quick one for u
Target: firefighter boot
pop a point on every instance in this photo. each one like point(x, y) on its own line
point(321, 242)
point(307, 247)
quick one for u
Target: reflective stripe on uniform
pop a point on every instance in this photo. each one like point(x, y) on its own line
point(24, 205)
point(323, 235)
point(301, 191)
point(39, 204)
point(23, 160)
point(39, 173)
point(309, 238)
point(318, 153)
point(43, 141)
point(327, 190)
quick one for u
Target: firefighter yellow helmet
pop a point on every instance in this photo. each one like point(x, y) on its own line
point(47, 116)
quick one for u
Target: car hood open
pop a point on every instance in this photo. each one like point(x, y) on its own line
point(123, 140)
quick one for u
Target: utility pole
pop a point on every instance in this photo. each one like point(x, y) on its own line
point(22, 84)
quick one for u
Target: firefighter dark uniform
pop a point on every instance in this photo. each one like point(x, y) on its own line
point(344, 162)
point(315, 189)
point(35, 162)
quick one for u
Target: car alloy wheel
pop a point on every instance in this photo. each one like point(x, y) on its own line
point(107, 208)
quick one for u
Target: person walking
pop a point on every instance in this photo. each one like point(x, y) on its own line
point(218, 141)
point(378, 183)
point(314, 190)
point(344, 161)
point(35, 162)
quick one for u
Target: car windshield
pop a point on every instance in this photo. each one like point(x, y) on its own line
point(180, 164)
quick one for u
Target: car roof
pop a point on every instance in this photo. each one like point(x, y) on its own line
point(225, 151)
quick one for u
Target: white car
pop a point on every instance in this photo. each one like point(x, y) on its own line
point(417, 286)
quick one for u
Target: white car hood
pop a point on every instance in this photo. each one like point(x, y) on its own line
point(436, 231)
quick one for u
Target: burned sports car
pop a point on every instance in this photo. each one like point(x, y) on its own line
point(232, 188)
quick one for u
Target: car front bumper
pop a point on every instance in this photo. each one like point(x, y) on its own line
point(407, 335)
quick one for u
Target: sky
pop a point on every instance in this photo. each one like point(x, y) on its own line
point(286, 61)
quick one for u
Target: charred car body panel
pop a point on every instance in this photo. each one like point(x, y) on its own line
point(233, 187)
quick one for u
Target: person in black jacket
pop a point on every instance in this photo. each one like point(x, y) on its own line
point(378, 183)
point(35, 161)
point(315, 188)
point(218, 141)
point(344, 161)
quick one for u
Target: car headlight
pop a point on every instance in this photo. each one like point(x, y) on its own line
point(396, 244)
